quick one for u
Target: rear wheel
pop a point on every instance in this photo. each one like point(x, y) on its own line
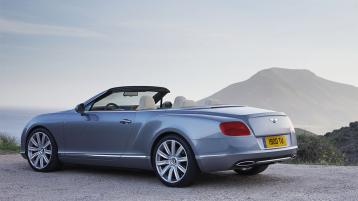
point(41, 151)
point(251, 170)
point(174, 162)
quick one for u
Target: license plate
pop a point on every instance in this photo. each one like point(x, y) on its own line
point(275, 141)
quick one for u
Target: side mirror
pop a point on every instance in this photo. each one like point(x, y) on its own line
point(80, 108)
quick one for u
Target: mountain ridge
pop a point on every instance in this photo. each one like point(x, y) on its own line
point(307, 98)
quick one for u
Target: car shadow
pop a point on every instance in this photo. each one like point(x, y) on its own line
point(230, 178)
point(112, 171)
point(225, 178)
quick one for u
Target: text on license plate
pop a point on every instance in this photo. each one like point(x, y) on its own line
point(275, 141)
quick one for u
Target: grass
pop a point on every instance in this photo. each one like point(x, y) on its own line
point(8, 144)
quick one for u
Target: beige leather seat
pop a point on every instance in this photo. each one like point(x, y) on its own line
point(146, 103)
point(189, 103)
point(179, 102)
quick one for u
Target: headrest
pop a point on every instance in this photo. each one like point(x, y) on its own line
point(146, 103)
point(189, 103)
point(179, 102)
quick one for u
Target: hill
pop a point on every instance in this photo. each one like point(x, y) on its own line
point(313, 103)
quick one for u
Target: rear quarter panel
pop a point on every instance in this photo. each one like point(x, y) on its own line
point(203, 133)
point(192, 127)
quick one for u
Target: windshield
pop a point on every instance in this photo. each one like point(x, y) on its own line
point(121, 101)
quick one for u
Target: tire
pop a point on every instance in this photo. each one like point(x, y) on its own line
point(41, 151)
point(251, 170)
point(172, 169)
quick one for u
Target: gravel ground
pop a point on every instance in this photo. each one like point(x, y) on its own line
point(280, 182)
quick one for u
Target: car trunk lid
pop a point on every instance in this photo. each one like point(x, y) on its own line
point(262, 122)
point(270, 125)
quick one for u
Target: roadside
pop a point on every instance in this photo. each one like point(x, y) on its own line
point(8, 144)
point(6, 152)
point(280, 182)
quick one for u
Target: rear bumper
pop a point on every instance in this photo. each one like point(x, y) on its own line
point(221, 162)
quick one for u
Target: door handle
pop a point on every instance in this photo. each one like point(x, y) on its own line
point(125, 121)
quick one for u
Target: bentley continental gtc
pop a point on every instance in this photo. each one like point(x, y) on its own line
point(135, 127)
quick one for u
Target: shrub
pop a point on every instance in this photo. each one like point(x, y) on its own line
point(315, 149)
point(346, 140)
point(8, 143)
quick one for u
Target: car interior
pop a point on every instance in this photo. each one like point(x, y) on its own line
point(135, 100)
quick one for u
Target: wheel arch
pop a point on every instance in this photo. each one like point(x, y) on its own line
point(171, 132)
point(26, 138)
point(34, 128)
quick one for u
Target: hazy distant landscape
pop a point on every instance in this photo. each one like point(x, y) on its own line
point(313, 103)
point(13, 121)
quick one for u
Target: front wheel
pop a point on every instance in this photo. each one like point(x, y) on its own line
point(41, 151)
point(251, 170)
point(174, 162)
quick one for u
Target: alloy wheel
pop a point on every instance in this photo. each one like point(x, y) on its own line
point(171, 161)
point(39, 150)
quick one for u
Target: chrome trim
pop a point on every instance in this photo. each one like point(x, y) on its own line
point(274, 120)
point(103, 155)
point(271, 148)
point(274, 160)
point(252, 163)
point(214, 155)
point(245, 163)
point(131, 156)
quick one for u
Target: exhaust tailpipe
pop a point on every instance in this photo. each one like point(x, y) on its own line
point(245, 163)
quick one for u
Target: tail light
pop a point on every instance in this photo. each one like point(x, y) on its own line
point(235, 128)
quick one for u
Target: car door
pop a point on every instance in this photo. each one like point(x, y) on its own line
point(99, 133)
point(104, 128)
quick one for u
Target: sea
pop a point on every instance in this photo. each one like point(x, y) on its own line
point(13, 120)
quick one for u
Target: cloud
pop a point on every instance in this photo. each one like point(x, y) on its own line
point(18, 27)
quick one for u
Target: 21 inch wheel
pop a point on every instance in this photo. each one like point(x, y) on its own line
point(174, 162)
point(41, 151)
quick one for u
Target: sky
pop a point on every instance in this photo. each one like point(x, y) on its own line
point(56, 54)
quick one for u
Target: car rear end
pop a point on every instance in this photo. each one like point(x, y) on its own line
point(246, 140)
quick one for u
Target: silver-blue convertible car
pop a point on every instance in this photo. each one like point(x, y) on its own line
point(132, 127)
